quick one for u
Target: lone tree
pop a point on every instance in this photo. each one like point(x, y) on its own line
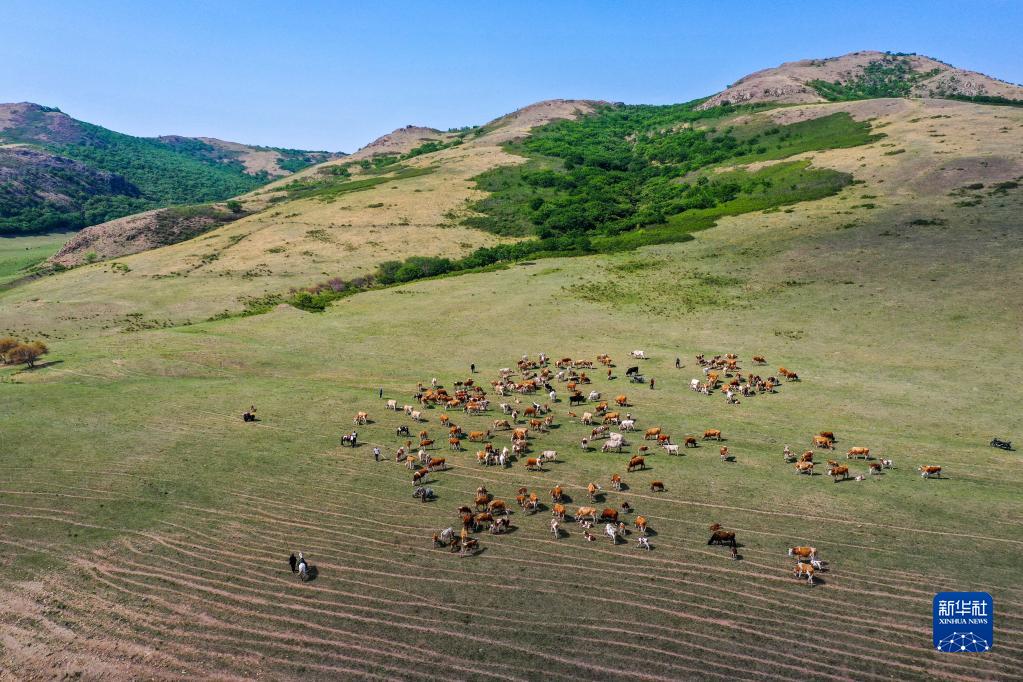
point(27, 353)
point(7, 344)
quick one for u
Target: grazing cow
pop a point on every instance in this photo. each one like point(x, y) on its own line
point(690, 442)
point(874, 467)
point(519, 434)
point(759, 359)
point(638, 354)
point(558, 511)
point(724, 452)
point(533, 464)
point(444, 419)
point(643, 543)
point(628, 424)
point(656, 486)
point(621, 401)
point(610, 445)
point(437, 463)
point(425, 443)
point(586, 513)
point(641, 524)
point(801, 553)
point(721, 537)
point(497, 507)
point(609, 514)
point(806, 456)
point(361, 418)
point(593, 489)
point(887, 464)
point(555, 529)
point(840, 471)
point(611, 531)
point(822, 442)
point(454, 443)
point(804, 468)
point(557, 493)
point(929, 471)
point(663, 439)
point(587, 418)
point(548, 455)
point(802, 569)
point(671, 449)
point(830, 435)
point(611, 418)
point(482, 518)
point(652, 433)
point(416, 415)
point(502, 424)
point(420, 476)
point(482, 500)
point(410, 462)
point(616, 482)
point(858, 452)
point(478, 436)
point(392, 405)
point(712, 434)
point(636, 463)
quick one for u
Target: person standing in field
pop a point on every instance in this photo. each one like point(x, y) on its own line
point(376, 454)
point(472, 368)
point(651, 383)
point(678, 363)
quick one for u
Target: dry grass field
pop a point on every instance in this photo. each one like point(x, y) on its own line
point(145, 529)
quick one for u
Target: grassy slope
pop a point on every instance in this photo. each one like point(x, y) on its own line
point(179, 516)
point(18, 254)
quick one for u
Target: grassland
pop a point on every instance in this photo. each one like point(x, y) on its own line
point(19, 254)
point(145, 528)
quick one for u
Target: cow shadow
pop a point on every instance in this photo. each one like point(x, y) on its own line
point(312, 572)
point(650, 533)
point(625, 486)
point(566, 498)
point(599, 497)
point(729, 458)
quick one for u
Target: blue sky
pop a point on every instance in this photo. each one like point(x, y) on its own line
point(335, 75)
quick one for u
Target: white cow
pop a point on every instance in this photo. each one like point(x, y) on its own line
point(392, 405)
point(548, 455)
point(417, 416)
point(695, 384)
point(611, 531)
point(638, 354)
point(671, 448)
point(594, 396)
point(628, 425)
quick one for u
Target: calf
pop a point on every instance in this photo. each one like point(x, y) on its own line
point(656, 486)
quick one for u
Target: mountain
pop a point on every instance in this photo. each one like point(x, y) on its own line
point(864, 75)
point(57, 172)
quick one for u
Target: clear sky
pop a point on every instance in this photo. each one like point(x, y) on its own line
point(335, 75)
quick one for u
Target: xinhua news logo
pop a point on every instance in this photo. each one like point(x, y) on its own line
point(964, 622)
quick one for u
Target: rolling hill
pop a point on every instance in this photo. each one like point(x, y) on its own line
point(865, 75)
point(873, 245)
point(60, 173)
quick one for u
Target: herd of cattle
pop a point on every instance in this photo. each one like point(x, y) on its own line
point(525, 419)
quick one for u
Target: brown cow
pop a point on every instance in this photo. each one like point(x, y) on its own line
point(804, 468)
point(519, 434)
point(477, 436)
point(724, 452)
point(840, 471)
point(616, 482)
point(802, 569)
point(484, 517)
point(558, 512)
point(425, 443)
point(656, 486)
point(420, 476)
point(721, 537)
point(621, 401)
point(759, 359)
point(557, 493)
point(636, 463)
point(652, 433)
point(437, 463)
point(714, 434)
point(482, 500)
point(858, 452)
point(641, 524)
point(929, 471)
point(502, 424)
point(822, 442)
point(609, 514)
point(830, 435)
point(800, 553)
point(875, 467)
point(533, 464)
point(663, 439)
point(593, 489)
point(690, 442)
point(806, 456)
point(454, 443)
point(497, 506)
point(584, 512)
